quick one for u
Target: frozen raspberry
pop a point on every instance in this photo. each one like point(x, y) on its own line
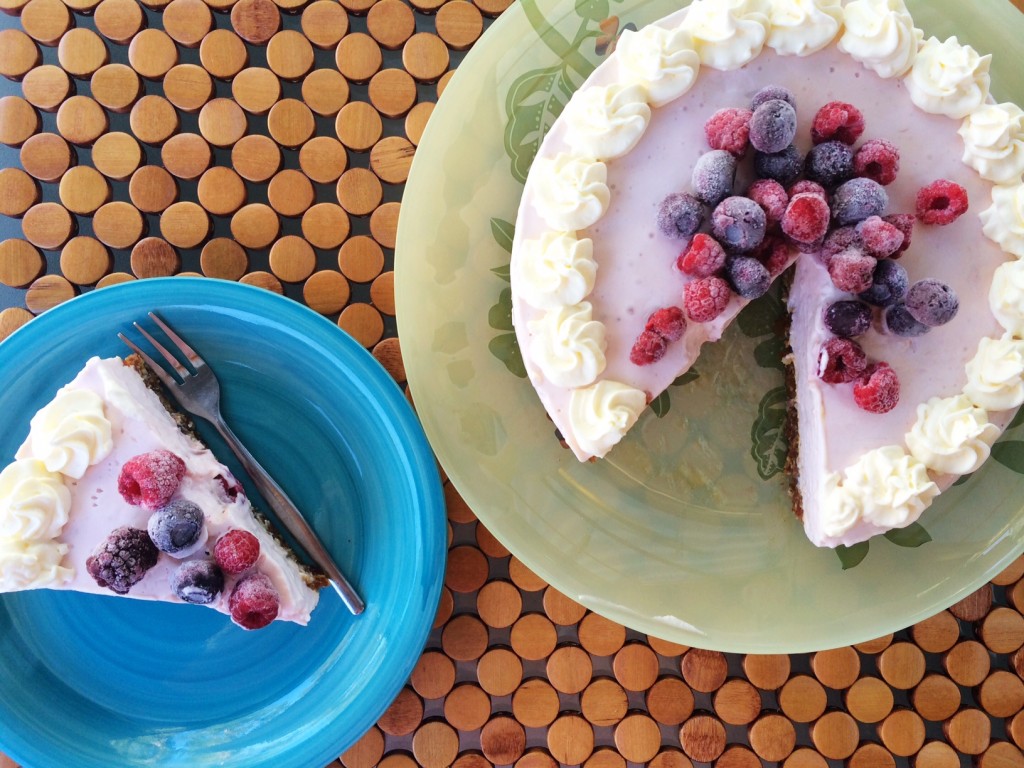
point(806, 186)
point(806, 219)
point(729, 129)
point(713, 176)
point(738, 223)
point(236, 551)
point(829, 163)
point(150, 479)
point(941, 202)
point(702, 258)
point(784, 166)
point(668, 322)
point(932, 302)
point(254, 601)
point(837, 120)
point(848, 318)
point(122, 559)
point(878, 237)
point(857, 199)
point(888, 284)
point(879, 389)
point(772, 198)
point(838, 240)
point(197, 581)
point(841, 361)
point(175, 527)
point(774, 252)
point(706, 298)
point(649, 347)
point(878, 160)
point(851, 270)
point(770, 92)
point(680, 215)
point(897, 321)
point(748, 276)
point(904, 222)
point(773, 126)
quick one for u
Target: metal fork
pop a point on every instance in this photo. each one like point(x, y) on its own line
point(199, 393)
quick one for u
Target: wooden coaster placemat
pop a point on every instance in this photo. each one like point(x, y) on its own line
point(267, 141)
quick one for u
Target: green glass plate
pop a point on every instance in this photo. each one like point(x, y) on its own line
point(685, 531)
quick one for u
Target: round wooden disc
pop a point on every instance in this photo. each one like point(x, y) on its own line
point(404, 714)
point(500, 672)
point(570, 740)
point(902, 732)
point(326, 292)
point(433, 675)
point(443, 82)
point(11, 319)
point(803, 699)
point(702, 738)
point(638, 738)
point(467, 569)
point(804, 757)
point(498, 603)
point(325, 91)
point(1001, 694)
point(491, 7)
point(772, 737)
point(635, 665)
point(289, 54)
point(969, 731)
point(902, 665)
point(119, 20)
point(467, 707)
point(222, 122)
point(665, 647)
point(81, 52)
point(116, 155)
point(47, 292)
point(967, 663)
point(936, 754)
point(871, 756)
point(116, 87)
point(256, 89)
point(324, 23)
point(435, 744)
point(416, 121)
point(604, 702)
point(1012, 573)
point(255, 225)
point(45, 87)
point(392, 92)
point(974, 606)
point(425, 57)
point(366, 752)
point(835, 735)
point(1001, 754)
point(18, 192)
point(153, 257)
point(187, 156)
point(290, 123)
point(1002, 630)
point(704, 671)
point(256, 158)
point(152, 53)
point(562, 609)
point(20, 263)
point(184, 224)
point(325, 225)
point(292, 259)
point(768, 672)
point(152, 189)
point(869, 700)
point(838, 668)
point(358, 126)
point(187, 21)
point(936, 698)
point(737, 702)
point(877, 645)
point(154, 119)
point(47, 226)
point(83, 189)
point(671, 701)
point(601, 636)
point(459, 24)
point(45, 21)
point(114, 278)
point(223, 54)
point(85, 260)
point(391, 23)
point(359, 191)
point(391, 158)
point(80, 120)
point(18, 120)
point(221, 191)
point(323, 159)
point(364, 324)
point(46, 156)
point(290, 193)
point(188, 87)
point(535, 704)
point(358, 57)
point(255, 21)
point(118, 224)
point(223, 258)
point(937, 634)
point(465, 637)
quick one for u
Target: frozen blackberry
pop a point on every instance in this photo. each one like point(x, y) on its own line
point(898, 321)
point(122, 559)
point(773, 126)
point(784, 166)
point(198, 581)
point(713, 176)
point(680, 215)
point(888, 284)
point(932, 302)
point(770, 92)
point(848, 318)
point(738, 223)
point(748, 277)
point(857, 199)
point(829, 163)
point(176, 527)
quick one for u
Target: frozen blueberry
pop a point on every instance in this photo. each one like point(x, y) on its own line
point(198, 581)
point(888, 284)
point(770, 92)
point(176, 527)
point(932, 302)
point(784, 166)
point(897, 320)
point(857, 199)
point(748, 277)
point(829, 164)
point(773, 126)
point(848, 318)
point(713, 176)
point(738, 224)
point(680, 215)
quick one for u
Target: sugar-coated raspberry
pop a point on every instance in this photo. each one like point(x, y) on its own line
point(150, 479)
point(848, 318)
point(713, 176)
point(748, 276)
point(680, 215)
point(668, 321)
point(706, 298)
point(806, 219)
point(772, 198)
point(897, 321)
point(236, 551)
point(851, 270)
point(649, 347)
point(904, 222)
point(784, 166)
point(838, 240)
point(738, 223)
point(941, 202)
point(888, 284)
point(176, 526)
point(729, 129)
point(775, 253)
point(703, 256)
point(197, 581)
point(773, 126)
point(806, 186)
point(254, 601)
point(857, 199)
point(770, 92)
point(878, 391)
point(837, 120)
point(829, 163)
point(878, 237)
point(841, 361)
point(122, 559)
point(878, 160)
point(932, 302)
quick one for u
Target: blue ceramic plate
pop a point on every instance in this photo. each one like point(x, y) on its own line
point(92, 681)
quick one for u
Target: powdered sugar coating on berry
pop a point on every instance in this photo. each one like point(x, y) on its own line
point(829, 163)
point(773, 126)
point(857, 199)
point(254, 601)
point(122, 559)
point(941, 202)
point(840, 361)
point(848, 318)
point(851, 270)
point(878, 237)
point(150, 479)
point(806, 219)
point(879, 390)
point(729, 129)
point(680, 215)
point(878, 160)
point(932, 302)
point(784, 166)
point(703, 257)
point(888, 284)
point(706, 298)
point(668, 322)
point(739, 224)
point(713, 176)
point(748, 276)
point(197, 581)
point(771, 92)
point(772, 197)
point(236, 551)
point(837, 120)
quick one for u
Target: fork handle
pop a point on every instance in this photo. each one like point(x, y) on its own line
point(292, 518)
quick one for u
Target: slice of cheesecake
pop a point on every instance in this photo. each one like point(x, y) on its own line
point(113, 493)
